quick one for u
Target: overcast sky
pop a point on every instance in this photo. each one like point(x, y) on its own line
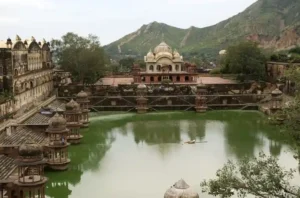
point(108, 19)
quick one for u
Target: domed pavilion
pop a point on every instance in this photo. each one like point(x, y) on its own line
point(57, 149)
point(181, 189)
point(165, 64)
point(73, 118)
point(83, 101)
point(31, 179)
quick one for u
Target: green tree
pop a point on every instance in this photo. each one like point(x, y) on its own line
point(126, 64)
point(83, 57)
point(261, 177)
point(244, 58)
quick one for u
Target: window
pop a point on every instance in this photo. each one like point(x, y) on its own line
point(158, 67)
point(151, 68)
point(186, 78)
point(159, 78)
point(177, 67)
point(170, 68)
point(178, 78)
point(151, 78)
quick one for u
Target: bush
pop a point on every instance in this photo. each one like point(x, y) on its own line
point(215, 71)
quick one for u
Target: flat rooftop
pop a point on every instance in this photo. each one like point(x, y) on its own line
point(129, 80)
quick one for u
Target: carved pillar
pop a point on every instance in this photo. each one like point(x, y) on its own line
point(141, 101)
point(276, 103)
point(200, 101)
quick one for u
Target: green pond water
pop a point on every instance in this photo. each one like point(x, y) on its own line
point(141, 156)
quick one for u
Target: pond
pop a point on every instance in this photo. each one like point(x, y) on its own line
point(134, 156)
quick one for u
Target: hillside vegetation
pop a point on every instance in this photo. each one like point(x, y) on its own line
point(274, 24)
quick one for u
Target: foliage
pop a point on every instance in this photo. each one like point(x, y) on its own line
point(244, 58)
point(263, 16)
point(126, 64)
point(83, 57)
point(295, 50)
point(261, 177)
point(6, 95)
point(215, 71)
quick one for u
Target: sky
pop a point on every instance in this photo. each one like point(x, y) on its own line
point(108, 19)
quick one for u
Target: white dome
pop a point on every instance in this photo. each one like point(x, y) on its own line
point(162, 47)
point(150, 55)
point(176, 54)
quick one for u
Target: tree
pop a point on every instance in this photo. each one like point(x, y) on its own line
point(83, 57)
point(245, 58)
point(126, 64)
point(261, 177)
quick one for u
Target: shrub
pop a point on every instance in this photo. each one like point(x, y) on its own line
point(215, 71)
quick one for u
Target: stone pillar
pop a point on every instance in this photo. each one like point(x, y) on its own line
point(276, 106)
point(141, 101)
point(83, 101)
point(276, 101)
point(200, 101)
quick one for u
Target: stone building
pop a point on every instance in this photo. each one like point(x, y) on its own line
point(26, 71)
point(164, 64)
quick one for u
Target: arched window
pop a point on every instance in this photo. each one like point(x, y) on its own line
point(159, 78)
point(170, 67)
point(177, 67)
point(151, 68)
point(16, 72)
point(186, 78)
point(151, 78)
point(178, 78)
point(158, 67)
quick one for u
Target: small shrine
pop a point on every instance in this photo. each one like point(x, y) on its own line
point(83, 101)
point(73, 118)
point(181, 189)
point(57, 149)
point(31, 180)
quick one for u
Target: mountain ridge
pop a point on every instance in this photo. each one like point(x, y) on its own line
point(274, 24)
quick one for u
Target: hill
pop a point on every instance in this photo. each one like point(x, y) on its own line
point(275, 24)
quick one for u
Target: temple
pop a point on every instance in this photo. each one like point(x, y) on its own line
point(165, 65)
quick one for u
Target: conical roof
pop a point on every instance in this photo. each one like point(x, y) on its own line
point(181, 189)
point(72, 106)
point(82, 94)
point(57, 121)
point(30, 149)
point(276, 92)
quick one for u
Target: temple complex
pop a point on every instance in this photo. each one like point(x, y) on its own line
point(165, 65)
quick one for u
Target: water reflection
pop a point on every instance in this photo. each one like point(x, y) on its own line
point(153, 143)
